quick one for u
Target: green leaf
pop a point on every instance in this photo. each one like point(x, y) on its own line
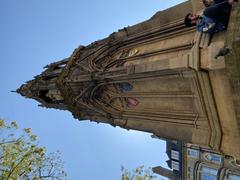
point(137, 174)
point(33, 137)
point(27, 130)
point(2, 123)
point(20, 154)
point(14, 124)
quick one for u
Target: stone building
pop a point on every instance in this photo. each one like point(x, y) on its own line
point(175, 152)
point(156, 76)
point(189, 162)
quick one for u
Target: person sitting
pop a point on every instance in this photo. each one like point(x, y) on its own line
point(214, 19)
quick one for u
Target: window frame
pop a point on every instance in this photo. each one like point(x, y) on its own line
point(193, 153)
point(208, 171)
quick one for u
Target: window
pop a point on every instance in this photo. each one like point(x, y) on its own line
point(193, 153)
point(175, 165)
point(214, 158)
point(190, 173)
point(233, 177)
point(208, 173)
point(175, 155)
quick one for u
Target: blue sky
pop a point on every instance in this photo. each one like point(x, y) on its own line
point(34, 33)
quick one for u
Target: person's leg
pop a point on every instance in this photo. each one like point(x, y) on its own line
point(214, 11)
point(220, 12)
point(218, 1)
point(208, 3)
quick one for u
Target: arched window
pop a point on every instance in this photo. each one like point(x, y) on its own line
point(208, 173)
point(44, 97)
point(214, 158)
point(233, 177)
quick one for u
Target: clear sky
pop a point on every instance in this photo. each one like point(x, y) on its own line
point(34, 33)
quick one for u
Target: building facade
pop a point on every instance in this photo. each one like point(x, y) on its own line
point(203, 163)
point(156, 76)
point(189, 161)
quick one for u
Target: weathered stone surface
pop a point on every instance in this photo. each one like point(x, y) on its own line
point(156, 76)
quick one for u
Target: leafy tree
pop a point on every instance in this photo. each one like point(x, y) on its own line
point(22, 159)
point(138, 174)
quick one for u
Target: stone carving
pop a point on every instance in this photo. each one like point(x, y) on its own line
point(156, 76)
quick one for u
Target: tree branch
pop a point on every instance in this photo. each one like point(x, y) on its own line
point(12, 141)
point(23, 173)
point(8, 142)
point(13, 168)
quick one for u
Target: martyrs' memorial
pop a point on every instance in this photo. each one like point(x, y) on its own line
point(157, 76)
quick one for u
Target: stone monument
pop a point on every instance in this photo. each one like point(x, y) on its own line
point(157, 76)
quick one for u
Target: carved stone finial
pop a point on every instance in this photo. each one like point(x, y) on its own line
point(25, 90)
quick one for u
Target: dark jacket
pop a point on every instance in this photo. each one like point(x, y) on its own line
point(215, 17)
point(219, 12)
